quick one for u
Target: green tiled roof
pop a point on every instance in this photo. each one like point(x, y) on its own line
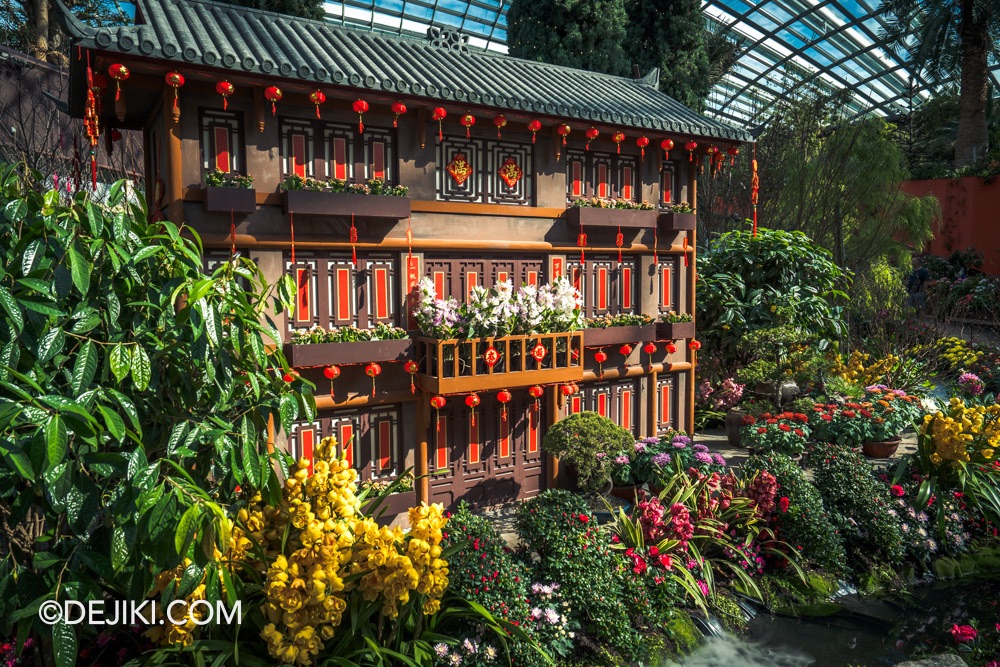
point(232, 38)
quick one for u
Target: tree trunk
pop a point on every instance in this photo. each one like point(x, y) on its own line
point(42, 29)
point(972, 141)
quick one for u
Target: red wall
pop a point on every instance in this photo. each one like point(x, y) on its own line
point(970, 217)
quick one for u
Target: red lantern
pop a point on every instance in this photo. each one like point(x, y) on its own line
point(288, 377)
point(563, 131)
point(439, 114)
point(360, 107)
point(501, 122)
point(671, 348)
point(566, 389)
point(273, 94)
point(667, 145)
point(317, 97)
point(649, 348)
point(690, 148)
point(642, 142)
point(398, 109)
point(504, 397)
point(175, 80)
point(467, 121)
point(591, 134)
point(412, 367)
point(619, 241)
point(472, 400)
point(331, 373)
point(373, 371)
point(600, 357)
point(625, 349)
point(438, 402)
point(732, 151)
point(119, 73)
point(536, 393)
point(534, 126)
point(618, 137)
point(225, 89)
point(694, 344)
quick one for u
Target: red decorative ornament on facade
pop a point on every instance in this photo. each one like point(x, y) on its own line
point(467, 121)
point(534, 126)
point(317, 97)
point(398, 109)
point(175, 80)
point(619, 241)
point(581, 241)
point(671, 348)
point(642, 142)
point(536, 393)
point(600, 357)
point(591, 134)
point(119, 73)
point(538, 353)
point(501, 122)
point(694, 344)
point(354, 241)
point(331, 373)
point(732, 152)
point(438, 402)
point(471, 401)
point(459, 169)
point(373, 371)
point(412, 367)
point(491, 356)
point(225, 89)
point(625, 350)
point(361, 108)
point(504, 396)
point(690, 148)
point(273, 95)
point(650, 349)
point(564, 131)
point(439, 114)
point(510, 173)
point(618, 137)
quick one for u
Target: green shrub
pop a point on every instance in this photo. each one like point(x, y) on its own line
point(590, 443)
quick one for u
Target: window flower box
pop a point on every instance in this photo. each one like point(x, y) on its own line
point(391, 505)
point(592, 216)
point(326, 354)
point(226, 200)
point(462, 366)
point(674, 330)
point(599, 337)
point(677, 222)
point(313, 202)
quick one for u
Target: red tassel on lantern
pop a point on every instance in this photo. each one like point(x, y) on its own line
point(591, 134)
point(467, 121)
point(534, 126)
point(439, 115)
point(504, 396)
point(581, 242)
point(331, 373)
point(317, 97)
point(690, 148)
point(360, 107)
point(175, 80)
point(354, 240)
point(620, 241)
point(273, 95)
point(501, 122)
point(472, 400)
point(373, 371)
point(686, 258)
point(563, 131)
point(412, 367)
point(398, 109)
point(642, 142)
point(225, 89)
point(600, 357)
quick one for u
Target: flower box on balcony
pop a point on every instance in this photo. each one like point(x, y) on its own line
point(599, 337)
point(316, 202)
point(460, 366)
point(226, 200)
point(326, 354)
point(391, 505)
point(592, 216)
point(674, 330)
point(677, 222)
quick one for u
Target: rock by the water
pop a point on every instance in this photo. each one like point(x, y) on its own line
point(943, 660)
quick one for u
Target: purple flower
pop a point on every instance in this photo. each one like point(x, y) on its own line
point(662, 459)
point(702, 457)
point(622, 459)
point(682, 439)
point(600, 455)
point(719, 460)
point(700, 448)
point(679, 445)
point(640, 447)
point(971, 383)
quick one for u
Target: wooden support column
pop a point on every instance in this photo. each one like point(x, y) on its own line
point(552, 463)
point(420, 467)
point(692, 283)
point(175, 186)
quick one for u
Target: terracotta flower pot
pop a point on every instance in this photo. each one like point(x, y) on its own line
point(881, 450)
point(624, 492)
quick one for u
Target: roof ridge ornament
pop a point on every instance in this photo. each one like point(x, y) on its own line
point(652, 78)
point(452, 40)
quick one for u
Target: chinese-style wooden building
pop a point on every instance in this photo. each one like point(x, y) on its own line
point(491, 185)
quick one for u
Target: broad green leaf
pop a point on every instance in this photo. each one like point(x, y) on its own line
point(119, 549)
point(113, 421)
point(55, 439)
point(141, 370)
point(114, 307)
point(85, 367)
point(207, 311)
point(43, 308)
point(17, 459)
point(127, 406)
point(29, 255)
point(146, 252)
point(288, 410)
point(80, 268)
point(64, 644)
point(50, 344)
point(16, 210)
point(12, 309)
point(186, 528)
point(121, 361)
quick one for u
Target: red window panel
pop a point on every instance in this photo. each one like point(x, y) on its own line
point(299, 155)
point(533, 277)
point(472, 453)
point(505, 437)
point(347, 442)
point(602, 180)
point(439, 285)
point(602, 288)
point(577, 171)
point(303, 300)
point(626, 288)
point(471, 280)
point(578, 278)
point(441, 450)
point(502, 276)
point(343, 294)
point(384, 445)
point(381, 293)
point(378, 159)
point(533, 431)
point(557, 267)
point(668, 185)
point(665, 286)
point(222, 153)
point(412, 295)
point(626, 411)
point(627, 187)
point(306, 439)
point(575, 405)
point(665, 404)
point(602, 404)
point(340, 159)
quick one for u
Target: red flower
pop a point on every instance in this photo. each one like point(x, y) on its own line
point(826, 417)
point(762, 429)
point(772, 420)
point(785, 427)
point(666, 562)
point(964, 633)
point(583, 518)
point(654, 550)
point(897, 490)
point(799, 432)
point(784, 502)
point(749, 420)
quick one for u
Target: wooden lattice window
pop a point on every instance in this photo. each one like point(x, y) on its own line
point(668, 184)
point(666, 404)
point(485, 171)
point(668, 285)
point(607, 286)
point(605, 175)
point(327, 150)
point(298, 142)
point(369, 440)
point(615, 400)
point(456, 277)
point(222, 141)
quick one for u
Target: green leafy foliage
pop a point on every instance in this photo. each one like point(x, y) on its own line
point(135, 395)
point(590, 443)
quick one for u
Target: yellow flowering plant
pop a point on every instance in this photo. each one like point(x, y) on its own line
point(957, 449)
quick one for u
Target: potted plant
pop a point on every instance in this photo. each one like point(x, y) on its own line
point(618, 329)
point(387, 497)
point(874, 423)
point(347, 345)
point(229, 193)
point(589, 444)
point(677, 217)
point(675, 326)
point(600, 212)
point(784, 433)
point(372, 199)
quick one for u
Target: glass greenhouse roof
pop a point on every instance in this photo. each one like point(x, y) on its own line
point(788, 44)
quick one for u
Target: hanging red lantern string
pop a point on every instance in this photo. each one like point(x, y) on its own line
point(467, 121)
point(360, 107)
point(331, 373)
point(472, 400)
point(667, 145)
point(100, 84)
point(566, 390)
point(732, 152)
point(119, 73)
point(373, 371)
point(398, 109)
point(91, 124)
point(501, 122)
point(650, 349)
point(625, 350)
point(618, 137)
point(317, 97)
point(581, 241)
point(273, 95)
point(439, 114)
point(354, 241)
point(438, 402)
point(686, 258)
point(591, 134)
point(671, 348)
point(620, 241)
point(536, 392)
point(175, 80)
point(600, 357)
point(690, 147)
point(564, 131)
point(712, 152)
point(412, 367)
point(534, 126)
point(642, 142)
point(504, 397)
point(754, 188)
point(225, 89)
